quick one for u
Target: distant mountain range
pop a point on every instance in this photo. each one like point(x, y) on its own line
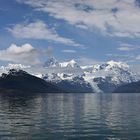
point(104, 77)
point(70, 76)
point(52, 62)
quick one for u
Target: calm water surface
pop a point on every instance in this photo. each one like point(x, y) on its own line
point(70, 117)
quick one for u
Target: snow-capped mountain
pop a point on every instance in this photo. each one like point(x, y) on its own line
point(110, 75)
point(52, 62)
point(14, 66)
point(4, 69)
point(69, 64)
point(101, 77)
point(105, 77)
point(69, 67)
point(21, 82)
point(69, 82)
point(117, 70)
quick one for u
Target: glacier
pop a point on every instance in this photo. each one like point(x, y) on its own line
point(105, 77)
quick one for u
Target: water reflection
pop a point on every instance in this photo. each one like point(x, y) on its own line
point(70, 116)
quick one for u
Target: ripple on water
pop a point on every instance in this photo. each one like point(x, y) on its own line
point(70, 116)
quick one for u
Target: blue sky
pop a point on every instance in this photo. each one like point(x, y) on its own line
point(88, 31)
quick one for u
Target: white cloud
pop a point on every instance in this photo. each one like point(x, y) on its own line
point(69, 51)
point(138, 57)
point(113, 17)
point(39, 30)
point(120, 55)
point(25, 54)
point(127, 58)
point(128, 47)
point(125, 48)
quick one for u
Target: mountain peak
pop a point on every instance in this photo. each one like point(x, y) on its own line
point(13, 72)
point(51, 62)
point(72, 63)
point(113, 63)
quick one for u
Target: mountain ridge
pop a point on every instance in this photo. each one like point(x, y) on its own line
point(19, 81)
point(105, 77)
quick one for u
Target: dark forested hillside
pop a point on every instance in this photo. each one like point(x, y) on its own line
point(129, 88)
point(20, 81)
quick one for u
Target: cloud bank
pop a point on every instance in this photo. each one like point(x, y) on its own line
point(25, 54)
point(39, 30)
point(119, 18)
point(128, 47)
point(68, 51)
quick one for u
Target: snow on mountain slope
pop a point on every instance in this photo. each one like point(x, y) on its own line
point(110, 75)
point(72, 64)
point(93, 84)
point(56, 77)
point(4, 69)
point(100, 77)
point(70, 67)
point(69, 82)
point(13, 66)
point(52, 62)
